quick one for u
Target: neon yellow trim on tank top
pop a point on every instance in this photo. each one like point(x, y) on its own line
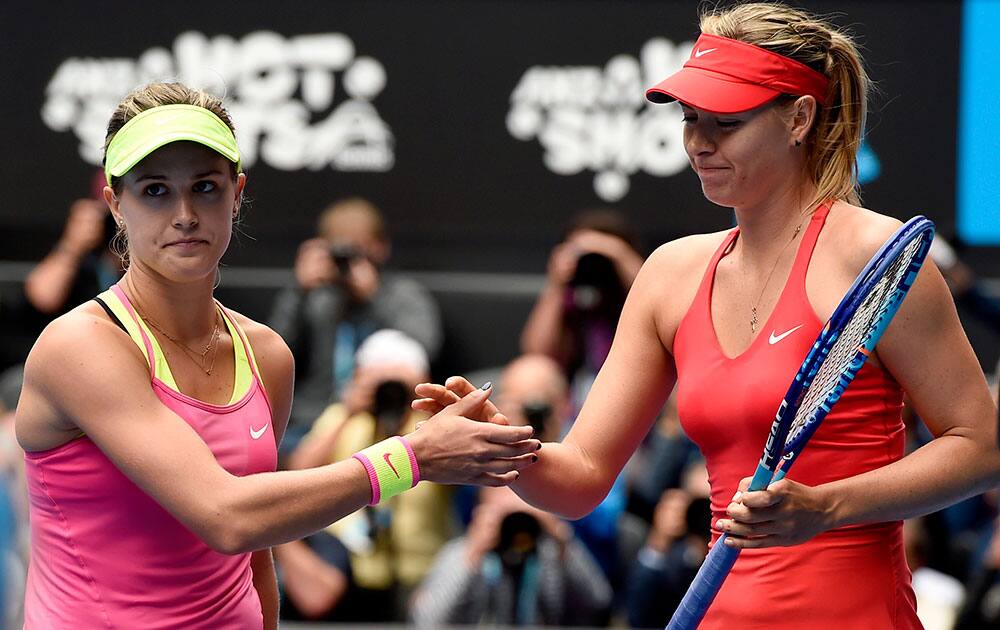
point(243, 378)
point(243, 355)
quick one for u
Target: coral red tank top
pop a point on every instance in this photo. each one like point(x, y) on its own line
point(852, 578)
point(104, 554)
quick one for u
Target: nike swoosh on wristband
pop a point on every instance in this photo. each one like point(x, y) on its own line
point(699, 53)
point(386, 457)
point(773, 339)
point(256, 434)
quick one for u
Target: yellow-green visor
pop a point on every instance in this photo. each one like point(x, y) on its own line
point(153, 128)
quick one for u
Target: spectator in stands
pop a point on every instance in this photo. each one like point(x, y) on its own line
point(377, 555)
point(13, 505)
point(589, 274)
point(534, 391)
point(675, 548)
point(79, 266)
point(516, 565)
point(967, 289)
point(982, 604)
point(939, 595)
point(340, 297)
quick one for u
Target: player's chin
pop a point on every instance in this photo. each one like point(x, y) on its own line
point(718, 194)
point(191, 268)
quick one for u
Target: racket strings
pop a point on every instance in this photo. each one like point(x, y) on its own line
point(858, 330)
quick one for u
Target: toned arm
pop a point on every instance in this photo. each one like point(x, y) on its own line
point(85, 375)
point(927, 352)
point(572, 477)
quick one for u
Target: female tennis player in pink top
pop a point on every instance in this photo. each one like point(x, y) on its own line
point(150, 416)
point(773, 102)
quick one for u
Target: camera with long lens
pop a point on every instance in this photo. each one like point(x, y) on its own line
point(342, 255)
point(595, 283)
point(537, 413)
point(698, 517)
point(390, 404)
point(518, 540)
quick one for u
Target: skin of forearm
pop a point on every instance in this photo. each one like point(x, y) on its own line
point(946, 470)
point(564, 481)
point(313, 585)
point(272, 508)
point(48, 285)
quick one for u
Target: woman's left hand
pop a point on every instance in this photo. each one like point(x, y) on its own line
point(787, 513)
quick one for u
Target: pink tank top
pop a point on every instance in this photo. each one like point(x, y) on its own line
point(852, 578)
point(104, 554)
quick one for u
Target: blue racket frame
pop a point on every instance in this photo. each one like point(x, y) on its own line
point(778, 456)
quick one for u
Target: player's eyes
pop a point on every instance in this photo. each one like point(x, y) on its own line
point(154, 190)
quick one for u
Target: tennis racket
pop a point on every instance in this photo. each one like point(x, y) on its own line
point(841, 349)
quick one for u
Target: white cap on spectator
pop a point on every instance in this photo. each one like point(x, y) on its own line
point(942, 253)
point(389, 346)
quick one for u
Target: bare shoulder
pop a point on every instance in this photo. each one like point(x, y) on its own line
point(77, 355)
point(670, 277)
point(685, 256)
point(78, 337)
point(854, 234)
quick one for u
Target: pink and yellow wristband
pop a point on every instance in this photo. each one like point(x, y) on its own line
point(391, 466)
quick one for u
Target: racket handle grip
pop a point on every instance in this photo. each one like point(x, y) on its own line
point(705, 587)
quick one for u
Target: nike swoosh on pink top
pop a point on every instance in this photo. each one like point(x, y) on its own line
point(256, 434)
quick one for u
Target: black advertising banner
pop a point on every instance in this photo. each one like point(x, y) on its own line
point(478, 127)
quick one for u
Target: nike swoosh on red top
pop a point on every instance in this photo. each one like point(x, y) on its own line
point(773, 339)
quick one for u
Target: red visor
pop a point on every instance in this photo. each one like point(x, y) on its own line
point(726, 76)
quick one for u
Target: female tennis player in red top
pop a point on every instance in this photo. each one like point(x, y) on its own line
point(773, 102)
point(150, 417)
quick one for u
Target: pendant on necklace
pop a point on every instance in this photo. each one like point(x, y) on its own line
point(753, 320)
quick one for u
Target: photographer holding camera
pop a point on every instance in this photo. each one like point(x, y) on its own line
point(340, 298)
point(675, 547)
point(79, 265)
point(589, 275)
point(374, 556)
point(516, 565)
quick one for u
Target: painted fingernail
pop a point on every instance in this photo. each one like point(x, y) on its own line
point(516, 475)
point(539, 447)
point(486, 385)
point(534, 458)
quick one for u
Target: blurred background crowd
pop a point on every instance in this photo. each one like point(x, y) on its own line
point(470, 188)
point(363, 336)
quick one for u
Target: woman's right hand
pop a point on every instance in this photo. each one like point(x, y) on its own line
point(84, 229)
point(433, 398)
point(313, 265)
point(453, 448)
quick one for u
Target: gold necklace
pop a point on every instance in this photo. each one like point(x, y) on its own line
point(199, 358)
point(753, 309)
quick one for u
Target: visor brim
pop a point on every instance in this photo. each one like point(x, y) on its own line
point(142, 151)
point(710, 91)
